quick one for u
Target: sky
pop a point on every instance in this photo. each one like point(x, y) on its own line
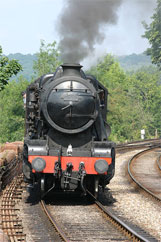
point(24, 23)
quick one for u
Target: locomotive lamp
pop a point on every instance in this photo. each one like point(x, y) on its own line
point(101, 166)
point(38, 164)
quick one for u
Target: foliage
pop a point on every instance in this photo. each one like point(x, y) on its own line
point(153, 34)
point(147, 90)
point(134, 100)
point(8, 68)
point(47, 59)
point(11, 103)
point(12, 111)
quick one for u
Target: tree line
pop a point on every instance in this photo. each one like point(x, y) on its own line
point(134, 97)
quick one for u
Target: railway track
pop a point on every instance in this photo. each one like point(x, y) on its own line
point(53, 221)
point(10, 221)
point(141, 144)
point(143, 170)
point(90, 221)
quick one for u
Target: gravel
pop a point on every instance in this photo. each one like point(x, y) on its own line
point(132, 203)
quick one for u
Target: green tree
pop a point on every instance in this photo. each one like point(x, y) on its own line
point(153, 34)
point(12, 111)
point(133, 99)
point(8, 68)
point(47, 59)
point(146, 89)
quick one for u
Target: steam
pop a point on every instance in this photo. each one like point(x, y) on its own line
point(81, 26)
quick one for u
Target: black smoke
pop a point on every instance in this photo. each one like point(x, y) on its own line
point(81, 26)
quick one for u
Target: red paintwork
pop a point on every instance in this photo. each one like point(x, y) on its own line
point(88, 161)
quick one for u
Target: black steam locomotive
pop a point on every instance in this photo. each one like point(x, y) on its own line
point(66, 143)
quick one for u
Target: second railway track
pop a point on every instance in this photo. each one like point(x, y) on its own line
point(11, 222)
point(143, 169)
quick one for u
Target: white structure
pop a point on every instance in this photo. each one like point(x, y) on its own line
point(142, 133)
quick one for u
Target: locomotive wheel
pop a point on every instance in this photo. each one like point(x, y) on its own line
point(96, 187)
point(42, 185)
point(92, 184)
point(46, 184)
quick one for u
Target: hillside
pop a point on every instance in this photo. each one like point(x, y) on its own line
point(27, 64)
point(127, 62)
point(133, 61)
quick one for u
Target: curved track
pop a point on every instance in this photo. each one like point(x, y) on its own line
point(159, 163)
point(144, 172)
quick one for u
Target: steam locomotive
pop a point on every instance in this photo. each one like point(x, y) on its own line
point(66, 143)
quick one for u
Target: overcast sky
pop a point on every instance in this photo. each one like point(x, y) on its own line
point(24, 22)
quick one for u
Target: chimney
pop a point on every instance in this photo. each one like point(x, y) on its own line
point(71, 69)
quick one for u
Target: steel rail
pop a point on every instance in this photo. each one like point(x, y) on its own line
point(139, 141)
point(54, 223)
point(139, 144)
point(133, 178)
point(126, 229)
point(158, 163)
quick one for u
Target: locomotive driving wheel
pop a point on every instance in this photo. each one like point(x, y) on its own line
point(96, 187)
point(42, 185)
point(46, 184)
point(92, 185)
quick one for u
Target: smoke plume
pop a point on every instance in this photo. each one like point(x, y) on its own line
point(81, 26)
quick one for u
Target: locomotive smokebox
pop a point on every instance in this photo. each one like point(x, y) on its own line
point(70, 103)
point(71, 69)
